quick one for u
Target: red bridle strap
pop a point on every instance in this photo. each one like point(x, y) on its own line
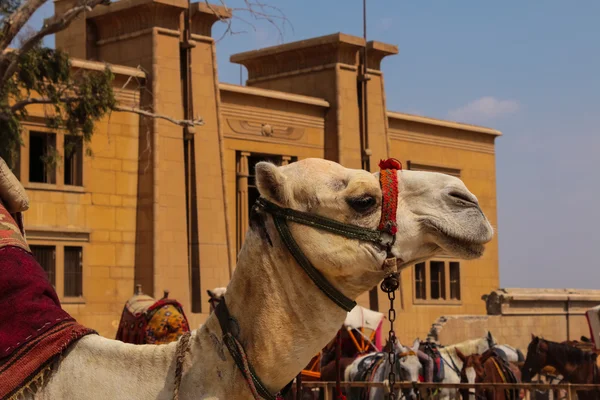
point(388, 179)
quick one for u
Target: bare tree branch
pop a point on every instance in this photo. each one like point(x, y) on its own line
point(257, 9)
point(16, 22)
point(51, 26)
point(180, 122)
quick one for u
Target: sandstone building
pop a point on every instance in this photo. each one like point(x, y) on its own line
point(167, 207)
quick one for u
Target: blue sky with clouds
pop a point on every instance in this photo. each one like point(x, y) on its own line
point(529, 69)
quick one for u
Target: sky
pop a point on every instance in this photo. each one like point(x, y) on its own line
point(529, 69)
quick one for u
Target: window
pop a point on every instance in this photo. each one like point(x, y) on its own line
point(52, 159)
point(454, 280)
point(420, 281)
point(437, 281)
point(46, 257)
point(73, 272)
point(64, 266)
point(73, 149)
point(42, 150)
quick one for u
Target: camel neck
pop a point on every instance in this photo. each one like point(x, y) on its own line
point(284, 319)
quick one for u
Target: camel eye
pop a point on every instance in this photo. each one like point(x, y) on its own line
point(362, 204)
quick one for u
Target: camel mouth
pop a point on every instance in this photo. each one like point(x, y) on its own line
point(466, 248)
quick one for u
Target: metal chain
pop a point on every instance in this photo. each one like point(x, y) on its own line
point(389, 285)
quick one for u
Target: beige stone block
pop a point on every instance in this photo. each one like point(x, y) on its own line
point(129, 237)
point(101, 254)
point(125, 255)
point(103, 146)
point(126, 148)
point(101, 181)
point(103, 163)
point(99, 236)
point(100, 217)
point(126, 184)
point(115, 200)
point(115, 272)
point(100, 199)
point(130, 165)
point(102, 289)
point(99, 272)
point(116, 236)
point(126, 219)
point(129, 201)
point(128, 273)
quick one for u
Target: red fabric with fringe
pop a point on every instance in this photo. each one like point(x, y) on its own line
point(34, 329)
point(388, 179)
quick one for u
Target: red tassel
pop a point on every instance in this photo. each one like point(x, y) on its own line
point(390, 163)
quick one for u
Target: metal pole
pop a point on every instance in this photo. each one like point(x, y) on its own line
point(568, 321)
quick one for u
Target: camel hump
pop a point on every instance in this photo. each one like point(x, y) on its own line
point(139, 303)
point(12, 193)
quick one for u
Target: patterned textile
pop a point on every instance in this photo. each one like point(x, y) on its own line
point(132, 328)
point(166, 325)
point(10, 231)
point(388, 179)
point(147, 321)
point(34, 329)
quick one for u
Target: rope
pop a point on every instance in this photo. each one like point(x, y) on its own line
point(245, 368)
point(182, 347)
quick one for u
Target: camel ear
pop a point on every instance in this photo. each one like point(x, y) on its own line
point(416, 345)
point(461, 355)
point(271, 182)
point(210, 293)
point(532, 336)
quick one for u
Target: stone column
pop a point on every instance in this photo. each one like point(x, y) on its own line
point(327, 67)
point(146, 33)
point(216, 264)
point(242, 199)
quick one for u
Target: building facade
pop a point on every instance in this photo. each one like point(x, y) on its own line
point(167, 207)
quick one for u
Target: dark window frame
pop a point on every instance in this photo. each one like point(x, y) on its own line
point(40, 145)
point(73, 160)
point(73, 271)
point(448, 282)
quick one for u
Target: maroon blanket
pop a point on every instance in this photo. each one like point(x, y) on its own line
point(34, 329)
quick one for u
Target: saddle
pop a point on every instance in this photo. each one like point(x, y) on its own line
point(433, 351)
point(504, 370)
point(147, 321)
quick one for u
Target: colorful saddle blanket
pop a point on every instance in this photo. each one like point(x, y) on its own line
point(147, 321)
point(431, 349)
point(34, 329)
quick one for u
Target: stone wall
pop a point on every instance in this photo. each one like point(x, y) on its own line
point(542, 312)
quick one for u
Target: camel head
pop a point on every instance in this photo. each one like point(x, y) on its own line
point(436, 214)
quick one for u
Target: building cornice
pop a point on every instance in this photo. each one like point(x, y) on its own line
point(273, 94)
point(443, 123)
point(115, 69)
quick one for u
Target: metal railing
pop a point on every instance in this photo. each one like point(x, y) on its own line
point(528, 391)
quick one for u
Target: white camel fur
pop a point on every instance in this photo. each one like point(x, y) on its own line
point(284, 319)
